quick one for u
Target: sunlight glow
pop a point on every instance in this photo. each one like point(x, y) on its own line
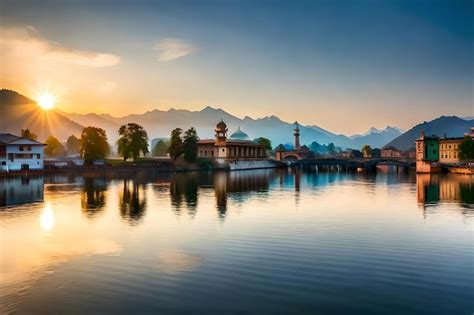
point(47, 218)
point(46, 101)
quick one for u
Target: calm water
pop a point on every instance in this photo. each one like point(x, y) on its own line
point(249, 242)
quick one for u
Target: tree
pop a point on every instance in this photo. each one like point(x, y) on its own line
point(366, 151)
point(356, 153)
point(264, 142)
point(54, 148)
point(331, 149)
point(26, 133)
point(376, 153)
point(94, 144)
point(466, 149)
point(176, 144)
point(73, 145)
point(190, 146)
point(133, 140)
point(315, 147)
point(160, 148)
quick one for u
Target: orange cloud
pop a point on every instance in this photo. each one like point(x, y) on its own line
point(25, 42)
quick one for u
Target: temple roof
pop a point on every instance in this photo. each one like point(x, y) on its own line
point(239, 135)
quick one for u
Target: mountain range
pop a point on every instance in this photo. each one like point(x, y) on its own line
point(159, 123)
point(18, 111)
point(449, 126)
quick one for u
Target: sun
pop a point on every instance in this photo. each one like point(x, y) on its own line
point(46, 101)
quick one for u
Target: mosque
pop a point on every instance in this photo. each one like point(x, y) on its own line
point(237, 146)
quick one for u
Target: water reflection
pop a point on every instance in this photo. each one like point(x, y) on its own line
point(20, 190)
point(93, 196)
point(132, 202)
point(185, 188)
point(435, 188)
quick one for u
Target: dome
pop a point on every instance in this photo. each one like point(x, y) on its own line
point(239, 135)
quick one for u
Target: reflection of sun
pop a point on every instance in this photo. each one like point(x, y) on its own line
point(46, 101)
point(47, 218)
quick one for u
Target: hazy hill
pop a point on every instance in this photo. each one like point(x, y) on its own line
point(19, 112)
point(159, 123)
point(375, 137)
point(451, 125)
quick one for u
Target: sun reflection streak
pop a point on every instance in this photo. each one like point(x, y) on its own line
point(47, 218)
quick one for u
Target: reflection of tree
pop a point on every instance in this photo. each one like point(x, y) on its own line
point(132, 202)
point(467, 193)
point(184, 187)
point(94, 196)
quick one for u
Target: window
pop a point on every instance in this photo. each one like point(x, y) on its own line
point(21, 148)
point(38, 156)
point(4, 163)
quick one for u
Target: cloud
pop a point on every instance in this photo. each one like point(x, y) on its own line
point(26, 41)
point(173, 48)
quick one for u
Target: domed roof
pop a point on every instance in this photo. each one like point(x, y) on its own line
point(239, 135)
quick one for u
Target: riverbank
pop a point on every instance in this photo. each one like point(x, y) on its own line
point(151, 165)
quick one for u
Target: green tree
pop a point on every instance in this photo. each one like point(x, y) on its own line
point(26, 133)
point(280, 147)
point(133, 140)
point(266, 143)
point(54, 148)
point(94, 144)
point(176, 144)
point(366, 151)
point(376, 153)
point(73, 145)
point(331, 149)
point(160, 148)
point(190, 145)
point(466, 149)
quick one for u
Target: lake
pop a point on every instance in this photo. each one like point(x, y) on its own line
point(285, 241)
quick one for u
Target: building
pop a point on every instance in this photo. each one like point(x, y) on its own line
point(17, 153)
point(449, 149)
point(298, 153)
point(237, 146)
point(391, 152)
point(427, 154)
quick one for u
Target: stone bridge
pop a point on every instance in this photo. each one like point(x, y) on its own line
point(353, 163)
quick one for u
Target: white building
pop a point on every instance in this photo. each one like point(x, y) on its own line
point(17, 153)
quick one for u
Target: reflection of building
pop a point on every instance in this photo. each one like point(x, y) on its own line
point(237, 146)
point(432, 188)
point(20, 190)
point(17, 153)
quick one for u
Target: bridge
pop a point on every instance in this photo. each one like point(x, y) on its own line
point(351, 164)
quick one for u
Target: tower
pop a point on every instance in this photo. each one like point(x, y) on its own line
point(297, 136)
point(221, 133)
point(221, 140)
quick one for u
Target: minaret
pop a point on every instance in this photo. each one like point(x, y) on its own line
point(221, 133)
point(297, 136)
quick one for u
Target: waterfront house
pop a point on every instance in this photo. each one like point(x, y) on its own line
point(449, 149)
point(18, 153)
point(237, 146)
point(391, 152)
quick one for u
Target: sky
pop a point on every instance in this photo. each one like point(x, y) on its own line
point(342, 65)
